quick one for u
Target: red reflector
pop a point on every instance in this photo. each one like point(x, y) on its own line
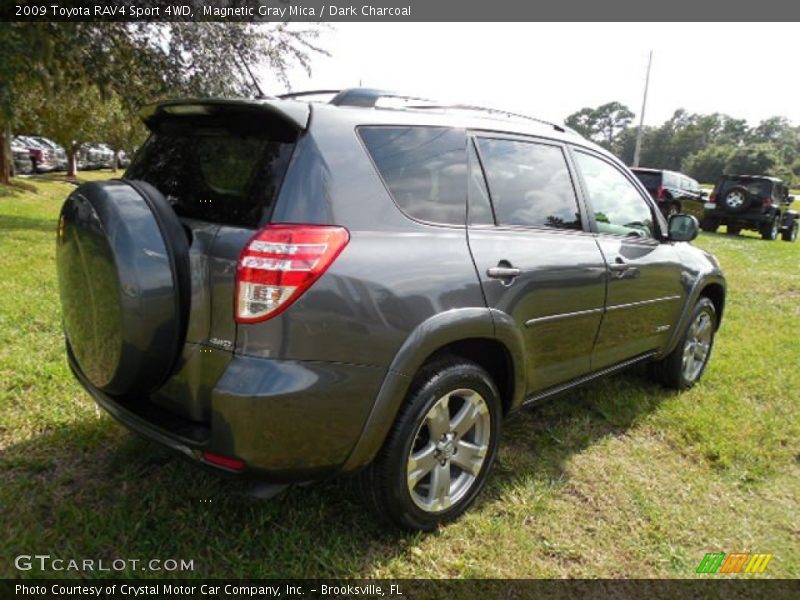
point(233, 464)
point(712, 197)
point(281, 262)
point(766, 201)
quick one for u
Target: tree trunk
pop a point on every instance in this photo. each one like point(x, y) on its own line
point(5, 154)
point(115, 161)
point(72, 163)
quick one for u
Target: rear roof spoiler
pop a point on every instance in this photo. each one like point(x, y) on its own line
point(292, 112)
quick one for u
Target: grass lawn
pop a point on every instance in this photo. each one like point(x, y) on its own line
point(622, 479)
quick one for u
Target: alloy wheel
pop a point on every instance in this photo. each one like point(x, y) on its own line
point(697, 347)
point(449, 450)
point(735, 199)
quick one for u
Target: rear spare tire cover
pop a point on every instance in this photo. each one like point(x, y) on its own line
point(123, 273)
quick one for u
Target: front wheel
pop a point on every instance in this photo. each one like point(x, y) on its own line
point(790, 233)
point(769, 231)
point(441, 449)
point(684, 366)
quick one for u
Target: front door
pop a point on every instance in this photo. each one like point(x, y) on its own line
point(645, 291)
point(535, 257)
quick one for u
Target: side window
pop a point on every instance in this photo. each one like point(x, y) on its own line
point(529, 184)
point(618, 207)
point(425, 169)
point(480, 207)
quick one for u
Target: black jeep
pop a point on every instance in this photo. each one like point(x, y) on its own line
point(756, 202)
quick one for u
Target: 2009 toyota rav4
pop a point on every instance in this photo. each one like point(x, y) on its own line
point(292, 290)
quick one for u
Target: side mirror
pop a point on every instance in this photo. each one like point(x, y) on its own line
point(789, 199)
point(683, 228)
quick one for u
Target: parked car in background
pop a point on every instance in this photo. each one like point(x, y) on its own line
point(22, 158)
point(124, 159)
point(673, 192)
point(40, 154)
point(756, 202)
point(95, 156)
point(289, 291)
point(57, 153)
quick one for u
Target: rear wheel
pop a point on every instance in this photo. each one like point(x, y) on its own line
point(709, 225)
point(790, 233)
point(769, 231)
point(439, 454)
point(684, 366)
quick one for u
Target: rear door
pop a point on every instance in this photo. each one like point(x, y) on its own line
point(645, 292)
point(220, 166)
point(535, 258)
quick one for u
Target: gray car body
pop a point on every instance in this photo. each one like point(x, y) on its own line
point(314, 391)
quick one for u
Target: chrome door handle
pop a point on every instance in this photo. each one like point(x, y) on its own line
point(504, 272)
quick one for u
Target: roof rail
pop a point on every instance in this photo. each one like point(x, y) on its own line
point(292, 95)
point(556, 126)
point(369, 97)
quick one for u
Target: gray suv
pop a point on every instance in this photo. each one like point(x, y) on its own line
point(293, 290)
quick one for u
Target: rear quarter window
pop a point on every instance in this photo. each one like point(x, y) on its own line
point(424, 169)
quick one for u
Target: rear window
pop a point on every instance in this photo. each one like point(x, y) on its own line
point(214, 174)
point(424, 168)
point(650, 179)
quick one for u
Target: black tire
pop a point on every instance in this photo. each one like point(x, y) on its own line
point(769, 231)
point(709, 225)
point(736, 200)
point(733, 230)
point(384, 483)
point(790, 234)
point(670, 371)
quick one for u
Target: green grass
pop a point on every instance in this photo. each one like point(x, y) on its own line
point(622, 479)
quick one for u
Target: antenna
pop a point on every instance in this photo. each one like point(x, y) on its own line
point(638, 150)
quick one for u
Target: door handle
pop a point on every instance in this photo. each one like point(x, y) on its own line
point(504, 271)
point(621, 270)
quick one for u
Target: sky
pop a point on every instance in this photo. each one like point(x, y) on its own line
point(549, 70)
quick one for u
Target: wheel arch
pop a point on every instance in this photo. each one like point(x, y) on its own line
point(711, 286)
point(470, 333)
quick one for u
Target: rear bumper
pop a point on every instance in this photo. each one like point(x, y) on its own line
point(286, 420)
point(751, 217)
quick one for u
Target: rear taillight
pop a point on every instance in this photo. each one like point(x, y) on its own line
point(766, 201)
point(712, 197)
point(280, 263)
point(660, 193)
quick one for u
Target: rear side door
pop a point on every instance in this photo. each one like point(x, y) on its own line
point(645, 292)
point(536, 259)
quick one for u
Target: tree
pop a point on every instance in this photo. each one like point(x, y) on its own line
point(583, 121)
point(70, 117)
point(611, 118)
point(709, 163)
point(754, 159)
point(603, 124)
point(142, 62)
point(120, 130)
